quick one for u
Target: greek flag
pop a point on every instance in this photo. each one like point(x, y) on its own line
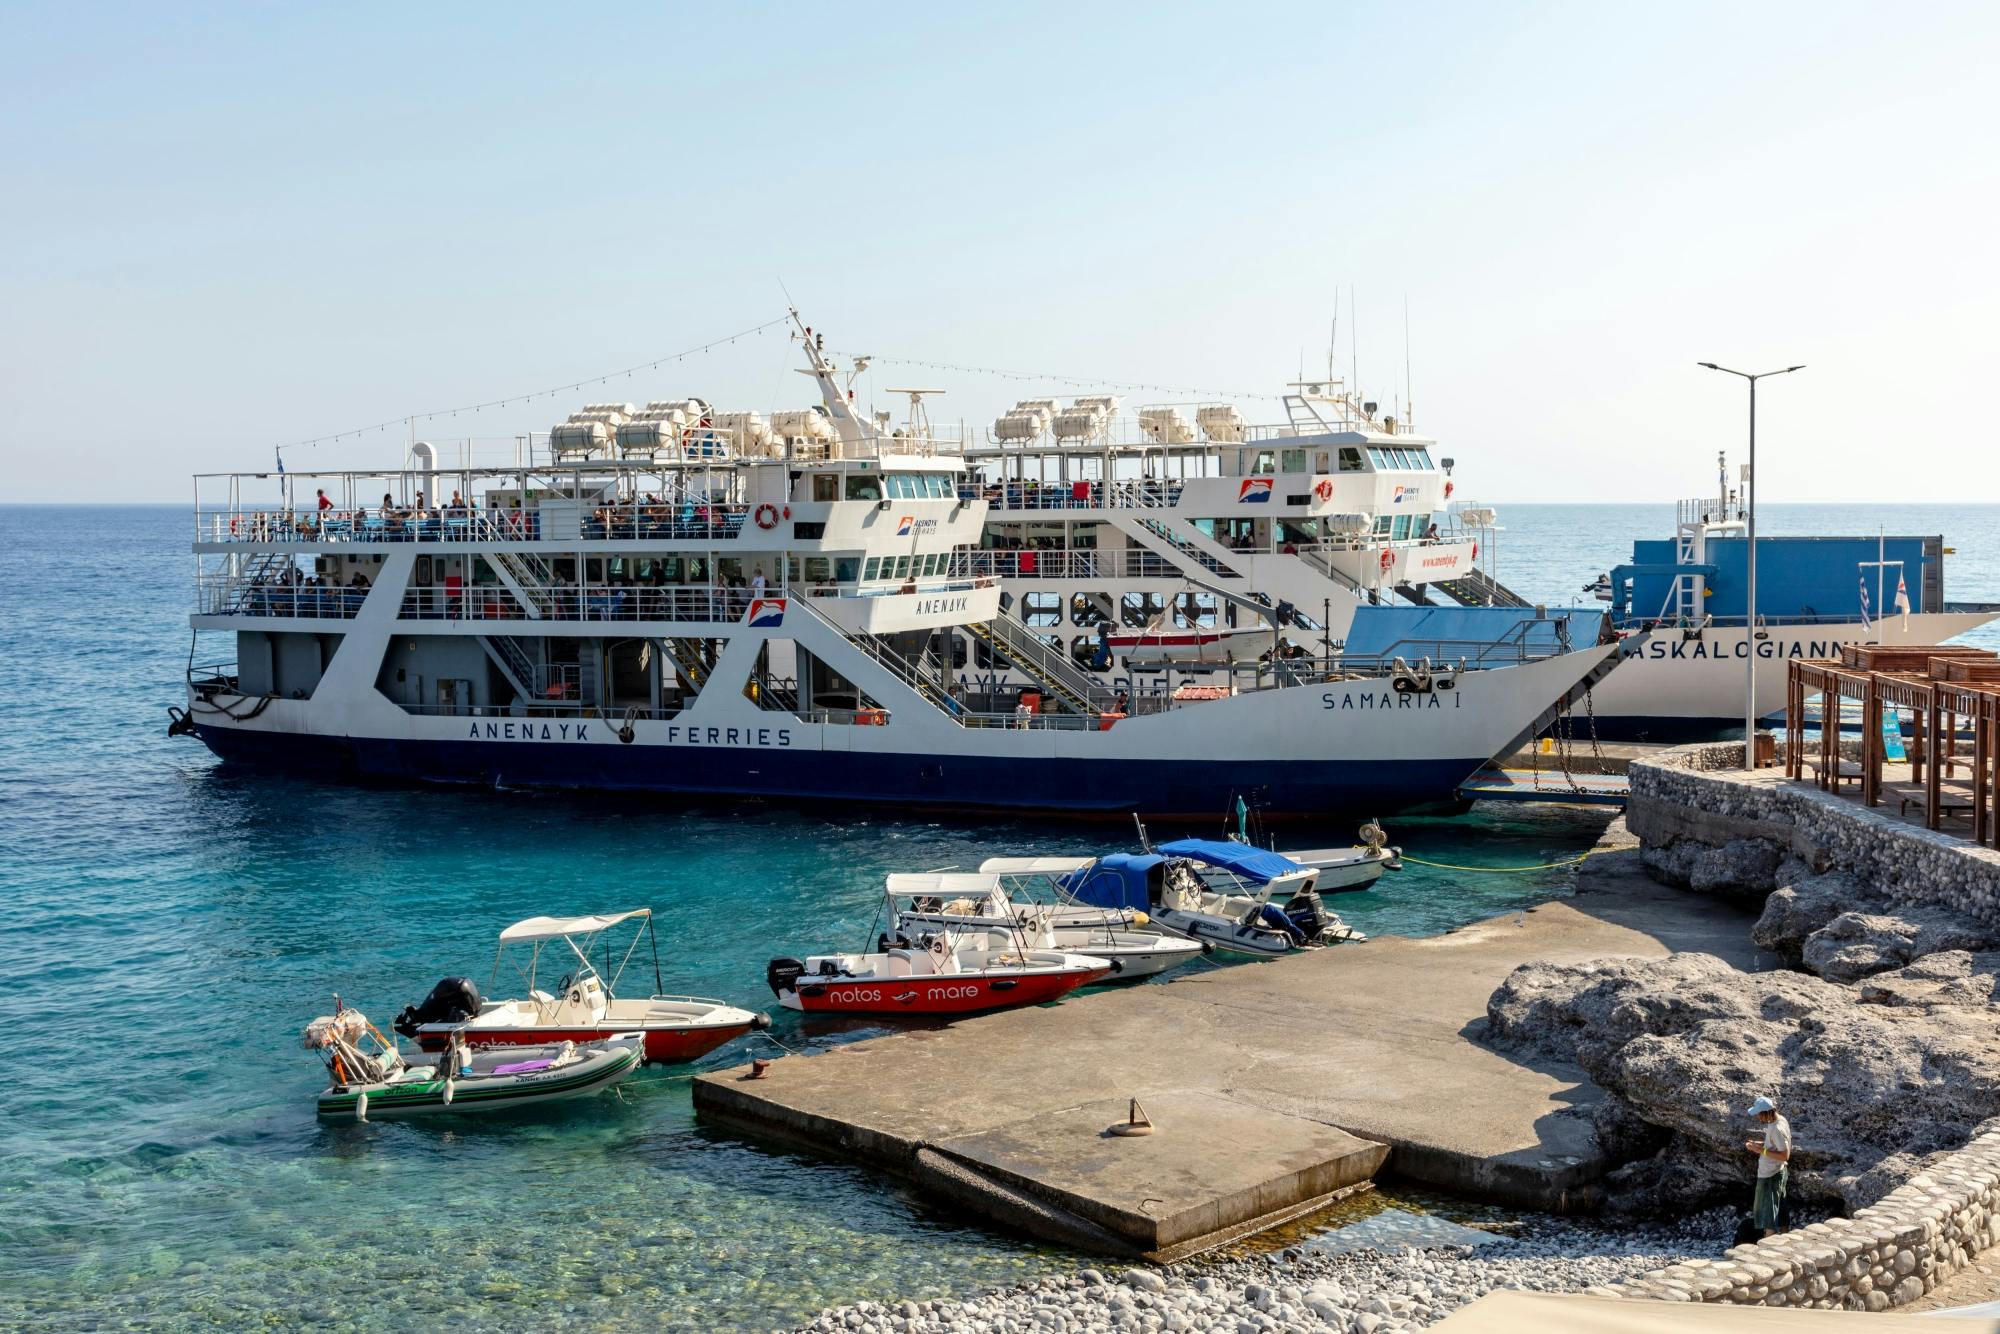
point(1864, 604)
point(281, 460)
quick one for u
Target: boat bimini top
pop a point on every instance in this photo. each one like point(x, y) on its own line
point(579, 934)
point(1127, 879)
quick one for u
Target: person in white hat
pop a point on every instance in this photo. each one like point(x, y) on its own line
point(1773, 1152)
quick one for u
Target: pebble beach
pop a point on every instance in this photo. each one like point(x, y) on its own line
point(1362, 1291)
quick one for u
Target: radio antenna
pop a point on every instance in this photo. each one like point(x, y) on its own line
point(1353, 342)
point(1409, 394)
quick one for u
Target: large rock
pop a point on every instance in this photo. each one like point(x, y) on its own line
point(1742, 865)
point(1950, 977)
point(1855, 945)
point(1801, 905)
point(1687, 1041)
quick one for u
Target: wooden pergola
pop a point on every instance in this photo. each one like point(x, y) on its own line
point(1946, 689)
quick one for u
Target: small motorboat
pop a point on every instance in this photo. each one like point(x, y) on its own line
point(1345, 870)
point(945, 971)
point(1230, 895)
point(583, 1005)
point(371, 1077)
point(981, 900)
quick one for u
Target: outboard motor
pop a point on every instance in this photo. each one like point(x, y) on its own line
point(452, 1001)
point(783, 975)
point(1273, 918)
point(1307, 913)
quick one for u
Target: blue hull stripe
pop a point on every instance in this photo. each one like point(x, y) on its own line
point(1196, 789)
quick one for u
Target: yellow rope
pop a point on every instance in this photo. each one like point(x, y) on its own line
point(1502, 870)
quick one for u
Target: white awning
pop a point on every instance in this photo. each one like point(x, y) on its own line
point(950, 883)
point(1034, 865)
point(555, 928)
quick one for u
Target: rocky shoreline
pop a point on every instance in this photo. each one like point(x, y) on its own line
point(1366, 1291)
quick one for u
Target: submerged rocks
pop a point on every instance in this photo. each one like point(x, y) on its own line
point(1686, 1042)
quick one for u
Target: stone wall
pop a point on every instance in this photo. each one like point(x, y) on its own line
point(1696, 813)
point(1886, 1255)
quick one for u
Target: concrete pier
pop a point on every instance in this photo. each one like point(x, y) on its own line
point(1274, 1086)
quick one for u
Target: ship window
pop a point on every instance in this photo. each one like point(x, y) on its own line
point(1083, 649)
point(1294, 460)
point(1041, 609)
point(1376, 460)
point(1267, 461)
point(1402, 527)
point(826, 486)
point(874, 568)
point(902, 567)
point(1195, 609)
point(930, 565)
point(844, 569)
point(1088, 609)
point(863, 486)
point(818, 569)
point(1139, 610)
point(1350, 459)
point(1382, 522)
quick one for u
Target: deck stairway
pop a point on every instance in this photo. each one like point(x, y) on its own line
point(686, 657)
point(1323, 562)
point(529, 578)
point(1048, 666)
point(1183, 541)
point(514, 661)
point(1480, 589)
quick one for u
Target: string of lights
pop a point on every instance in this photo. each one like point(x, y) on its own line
point(1033, 377)
point(410, 418)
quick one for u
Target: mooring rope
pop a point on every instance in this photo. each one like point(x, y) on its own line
point(1505, 870)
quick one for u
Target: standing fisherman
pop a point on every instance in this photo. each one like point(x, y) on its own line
point(1773, 1152)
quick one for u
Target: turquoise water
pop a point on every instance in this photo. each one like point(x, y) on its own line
point(172, 924)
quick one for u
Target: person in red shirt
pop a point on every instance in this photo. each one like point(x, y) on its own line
point(325, 501)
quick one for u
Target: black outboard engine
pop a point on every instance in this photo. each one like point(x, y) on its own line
point(452, 1001)
point(1307, 912)
point(783, 975)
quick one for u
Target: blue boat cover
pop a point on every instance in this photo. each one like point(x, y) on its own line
point(1252, 863)
point(1117, 881)
point(1450, 632)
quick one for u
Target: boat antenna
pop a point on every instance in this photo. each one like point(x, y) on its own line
point(1353, 342)
point(1409, 394)
point(659, 987)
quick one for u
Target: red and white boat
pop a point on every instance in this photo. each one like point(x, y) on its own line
point(582, 1006)
point(950, 970)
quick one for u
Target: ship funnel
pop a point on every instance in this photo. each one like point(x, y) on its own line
point(426, 455)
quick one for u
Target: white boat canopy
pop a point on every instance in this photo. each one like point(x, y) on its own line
point(555, 928)
point(1034, 865)
point(942, 882)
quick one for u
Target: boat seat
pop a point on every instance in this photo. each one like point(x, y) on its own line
point(901, 964)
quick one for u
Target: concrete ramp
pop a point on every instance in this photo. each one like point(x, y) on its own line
point(1274, 1086)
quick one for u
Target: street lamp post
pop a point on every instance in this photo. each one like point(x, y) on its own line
point(1750, 566)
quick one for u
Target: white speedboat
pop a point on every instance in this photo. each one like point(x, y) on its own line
point(582, 1006)
point(1230, 895)
point(1355, 867)
point(979, 901)
point(371, 1078)
point(946, 971)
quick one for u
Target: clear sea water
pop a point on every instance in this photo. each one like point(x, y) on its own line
point(170, 925)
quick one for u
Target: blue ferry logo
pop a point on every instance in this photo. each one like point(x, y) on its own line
point(1254, 491)
point(905, 524)
point(766, 613)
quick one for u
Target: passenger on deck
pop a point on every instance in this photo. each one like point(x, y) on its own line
point(1431, 533)
point(757, 584)
point(325, 501)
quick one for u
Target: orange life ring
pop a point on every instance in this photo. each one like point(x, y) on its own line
point(1324, 490)
point(1447, 490)
point(1475, 551)
point(1388, 560)
point(766, 516)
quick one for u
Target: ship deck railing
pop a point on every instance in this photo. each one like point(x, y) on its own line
point(684, 522)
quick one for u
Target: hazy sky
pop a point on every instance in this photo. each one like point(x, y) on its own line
point(227, 227)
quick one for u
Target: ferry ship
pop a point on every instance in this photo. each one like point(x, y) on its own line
point(1162, 547)
point(1686, 678)
point(679, 601)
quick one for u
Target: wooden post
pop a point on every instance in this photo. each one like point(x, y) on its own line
point(1935, 769)
point(1872, 749)
point(1981, 823)
point(1829, 735)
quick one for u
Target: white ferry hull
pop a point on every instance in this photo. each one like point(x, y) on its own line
point(1352, 747)
point(1671, 688)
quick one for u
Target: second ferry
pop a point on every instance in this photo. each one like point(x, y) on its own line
point(679, 601)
